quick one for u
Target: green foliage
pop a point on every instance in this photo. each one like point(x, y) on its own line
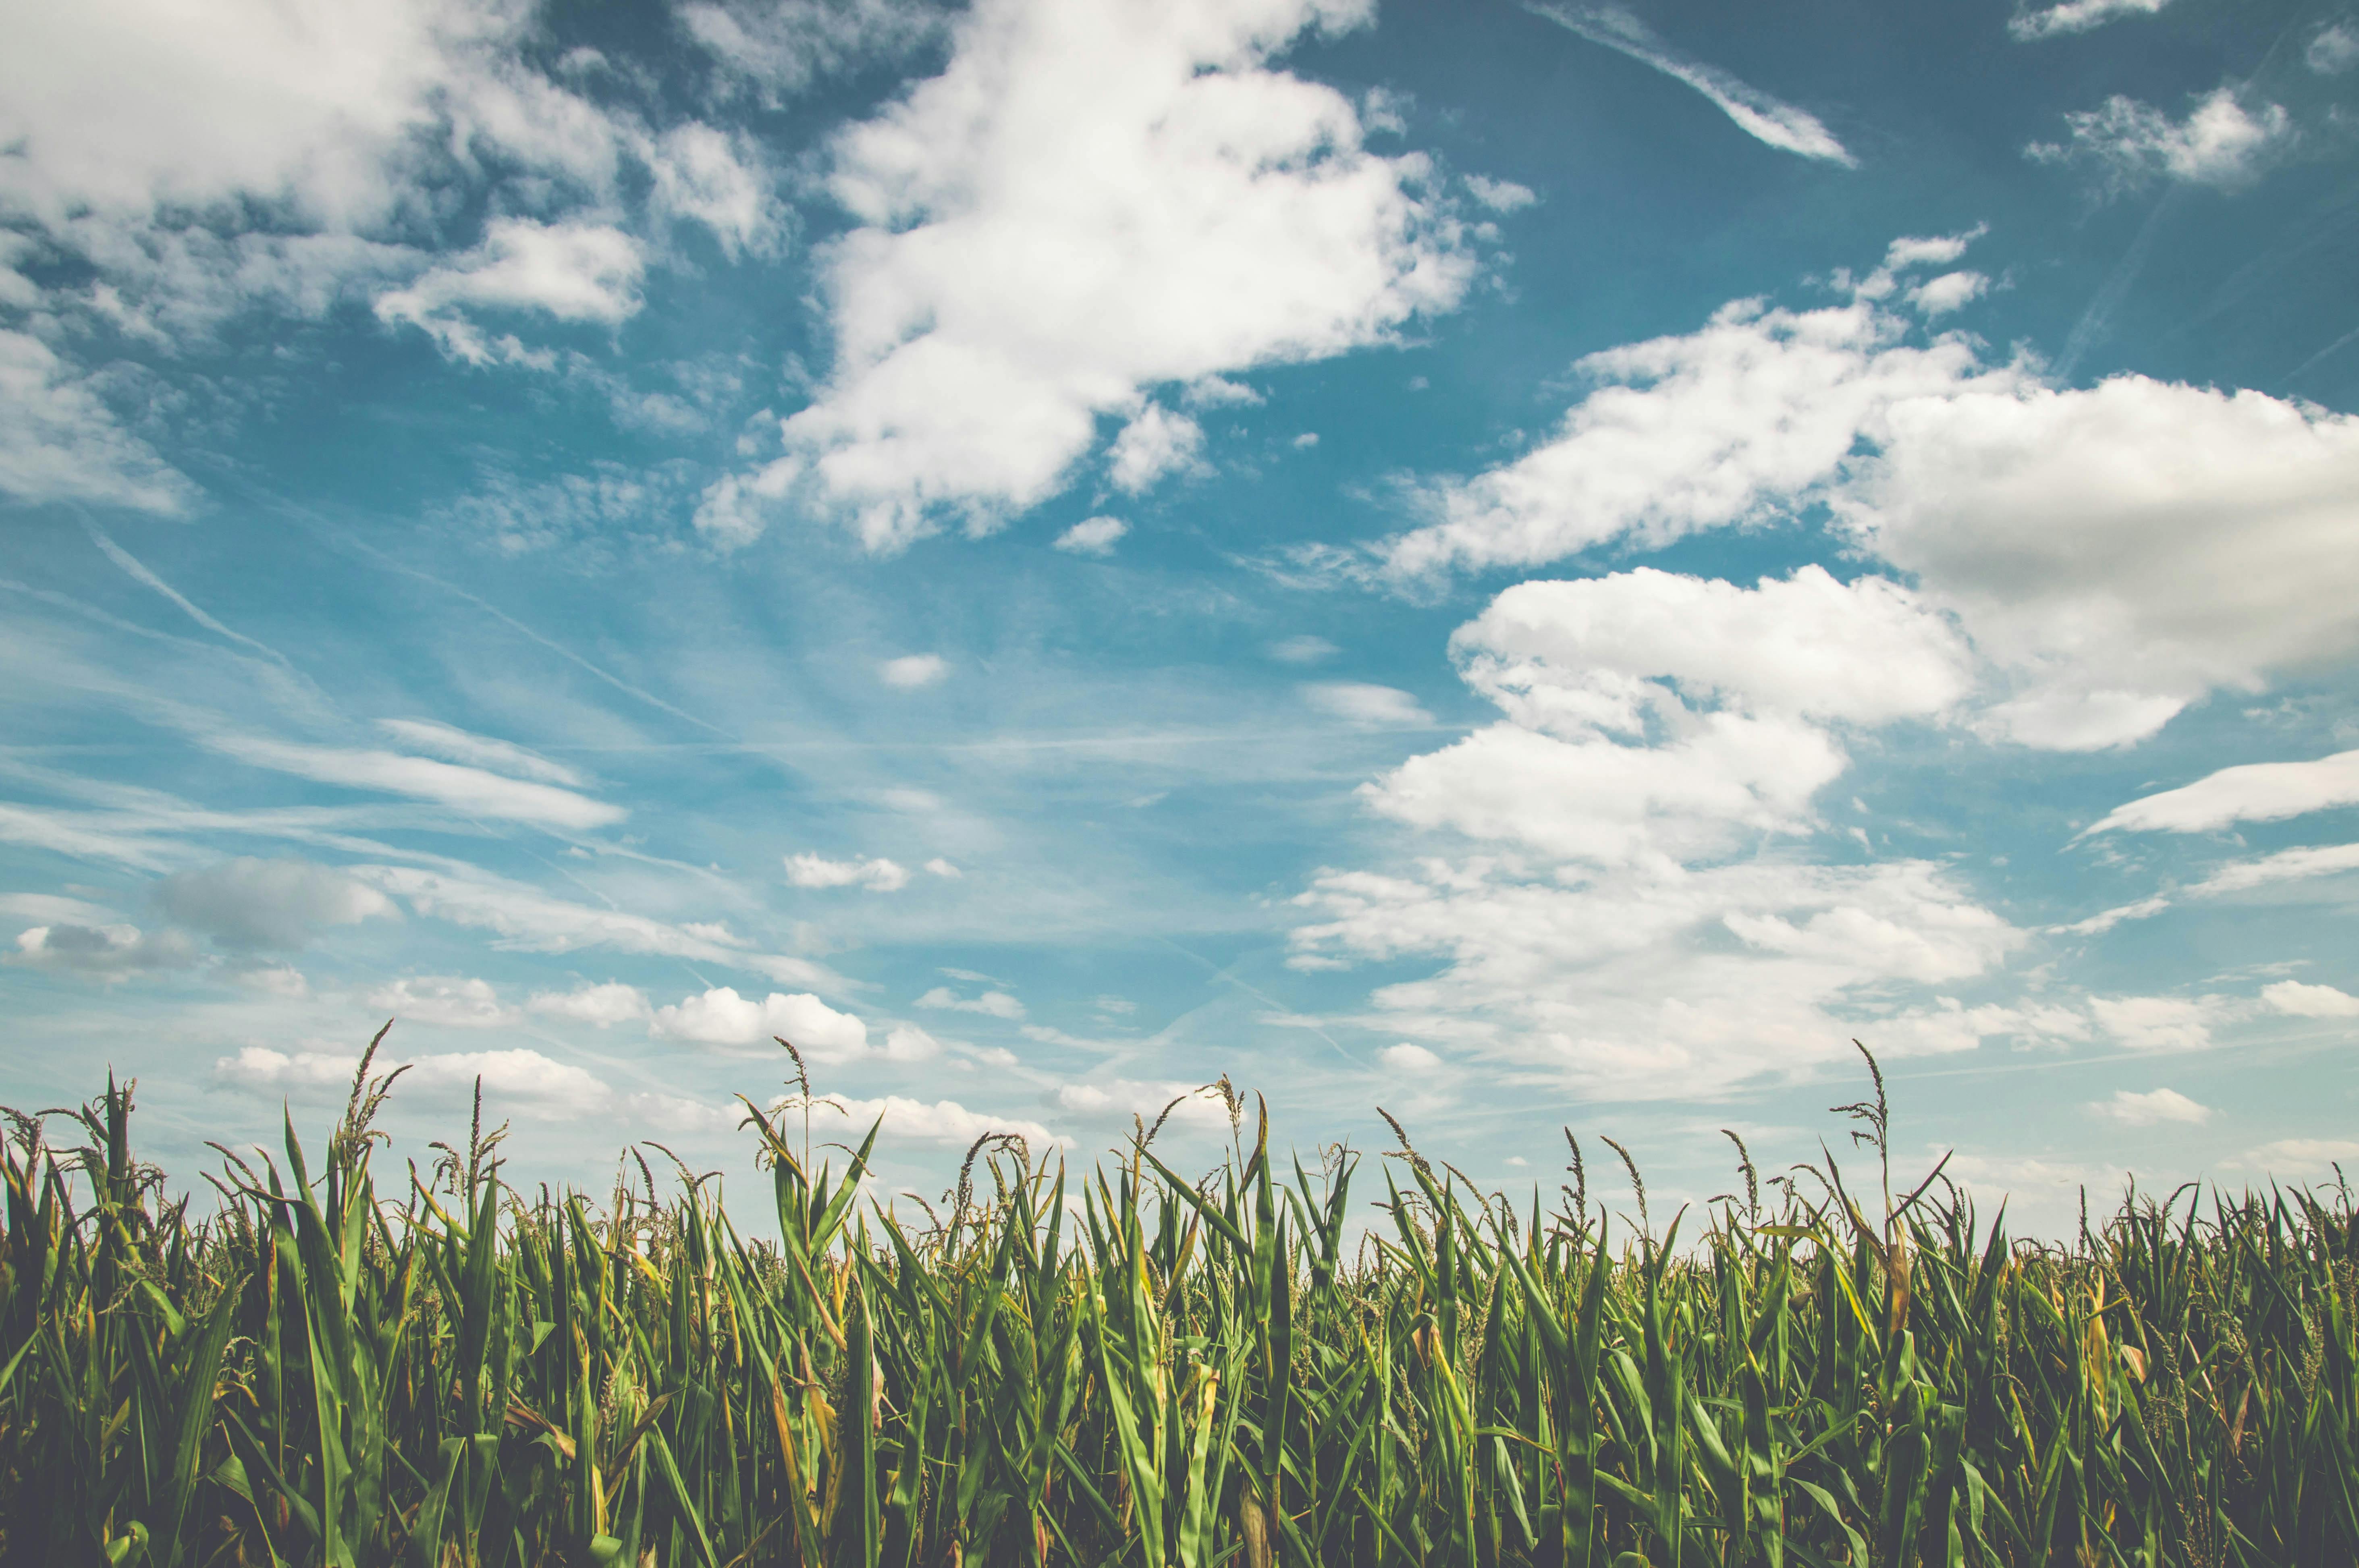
point(1134, 1368)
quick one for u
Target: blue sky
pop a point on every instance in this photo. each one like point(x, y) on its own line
point(1536, 567)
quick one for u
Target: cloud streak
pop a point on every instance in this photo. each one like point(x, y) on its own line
point(1766, 119)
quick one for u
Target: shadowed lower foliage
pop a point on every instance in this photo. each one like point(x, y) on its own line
point(1137, 1369)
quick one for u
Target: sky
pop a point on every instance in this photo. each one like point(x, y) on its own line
point(1539, 567)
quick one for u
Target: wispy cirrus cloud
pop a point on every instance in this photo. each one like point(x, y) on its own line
point(1783, 126)
point(466, 789)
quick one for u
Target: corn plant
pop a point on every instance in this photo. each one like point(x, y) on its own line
point(333, 1365)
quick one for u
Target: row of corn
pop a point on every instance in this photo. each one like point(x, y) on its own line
point(1138, 1367)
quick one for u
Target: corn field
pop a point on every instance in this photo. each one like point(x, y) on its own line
point(1138, 1367)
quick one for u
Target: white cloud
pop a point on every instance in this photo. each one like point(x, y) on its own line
point(456, 745)
point(605, 1005)
point(778, 47)
point(1659, 980)
point(524, 918)
point(907, 1042)
point(818, 871)
point(945, 1122)
point(2307, 1157)
point(1604, 926)
point(1682, 434)
point(1093, 537)
point(1652, 714)
point(573, 271)
point(2220, 142)
point(59, 440)
point(2252, 792)
point(941, 868)
point(2310, 1001)
point(1500, 195)
point(252, 903)
point(721, 1017)
point(519, 1080)
point(1612, 653)
point(1780, 125)
point(2335, 50)
point(1217, 392)
point(1408, 1060)
point(2152, 1109)
point(274, 979)
point(715, 180)
point(2160, 1022)
point(1303, 650)
point(107, 953)
point(1951, 291)
point(913, 670)
point(1154, 443)
point(1119, 1100)
point(2075, 17)
point(1087, 204)
point(1357, 702)
point(2286, 865)
point(471, 791)
point(2113, 552)
point(54, 908)
point(454, 1001)
point(995, 1004)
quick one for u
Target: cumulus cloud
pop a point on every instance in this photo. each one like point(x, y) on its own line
point(1951, 291)
point(520, 1081)
point(1782, 126)
point(1086, 205)
point(575, 272)
point(1408, 1060)
point(945, 1122)
point(941, 868)
point(1093, 537)
point(1660, 980)
point(1154, 443)
point(1357, 702)
point(2160, 1022)
point(2075, 17)
point(454, 1001)
point(2335, 50)
point(2155, 1107)
point(1650, 714)
point(1500, 195)
point(2220, 142)
point(994, 1004)
point(818, 871)
point(604, 1005)
point(107, 953)
point(1589, 908)
point(2310, 1001)
point(2252, 792)
point(721, 1017)
point(912, 671)
point(1119, 1100)
point(268, 904)
point(2112, 552)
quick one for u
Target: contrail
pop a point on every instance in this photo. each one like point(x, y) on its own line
point(130, 564)
point(518, 626)
point(1779, 123)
